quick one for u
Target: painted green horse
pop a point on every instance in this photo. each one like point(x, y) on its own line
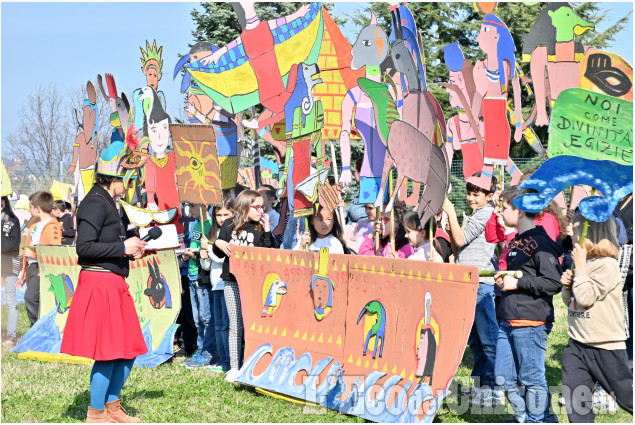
point(378, 330)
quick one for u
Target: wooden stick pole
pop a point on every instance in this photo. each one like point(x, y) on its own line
point(392, 215)
point(431, 238)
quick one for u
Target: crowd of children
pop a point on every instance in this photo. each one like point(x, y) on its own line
point(513, 317)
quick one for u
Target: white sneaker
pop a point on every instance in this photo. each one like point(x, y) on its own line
point(483, 397)
point(232, 375)
point(498, 398)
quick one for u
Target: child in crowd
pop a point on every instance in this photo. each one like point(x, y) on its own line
point(46, 231)
point(442, 237)
point(356, 232)
point(200, 294)
point(324, 232)
point(596, 350)
point(64, 217)
point(248, 227)
point(526, 311)
point(10, 249)
point(214, 263)
point(402, 248)
point(419, 237)
point(268, 193)
point(472, 249)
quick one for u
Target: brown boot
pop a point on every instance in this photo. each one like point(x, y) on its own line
point(116, 414)
point(96, 416)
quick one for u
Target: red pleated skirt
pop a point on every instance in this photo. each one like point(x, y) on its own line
point(102, 320)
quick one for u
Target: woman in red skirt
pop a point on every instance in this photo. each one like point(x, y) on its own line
point(102, 321)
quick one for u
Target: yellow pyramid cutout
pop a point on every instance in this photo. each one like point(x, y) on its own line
point(321, 338)
point(284, 332)
point(450, 276)
point(286, 260)
point(410, 274)
point(428, 277)
point(252, 256)
point(381, 270)
point(358, 362)
point(245, 255)
point(339, 340)
point(278, 259)
point(334, 267)
point(260, 329)
point(295, 261)
point(375, 366)
point(310, 263)
point(344, 267)
point(466, 278)
point(267, 331)
point(304, 336)
point(403, 373)
point(355, 267)
point(275, 331)
point(236, 255)
point(350, 359)
point(419, 274)
point(366, 364)
point(385, 368)
point(296, 334)
point(302, 262)
point(411, 376)
point(364, 267)
point(330, 341)
point(372, 269)
point(259, 256)
point(439, 278)
point(253, 327)
point(394, 370)
point(312, 337)
point(268, 259)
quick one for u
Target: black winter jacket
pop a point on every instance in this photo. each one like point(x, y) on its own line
point(536, 255)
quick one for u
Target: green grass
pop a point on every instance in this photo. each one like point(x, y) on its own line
point(35, 391)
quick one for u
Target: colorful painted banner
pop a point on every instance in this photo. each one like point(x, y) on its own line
point(197, 167)
point(154, 283)
point(357, 331)
point(593, 126)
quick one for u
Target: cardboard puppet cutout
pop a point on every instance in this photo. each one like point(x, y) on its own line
point(198, 173)
point(160, 170)
point(614, 181)
point(592, 125)
point(334, 63)
point(7, 188)
point(201, 110)
point(553, 54)
point(84, 152)
point(369, 51)
point(119, 107)
point(155, 286)
point(260, 65)
point(608, 74)
point(491, 79)
point(151, 65)
point(355, 326)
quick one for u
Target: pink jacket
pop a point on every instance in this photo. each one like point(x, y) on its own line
point(368, 248)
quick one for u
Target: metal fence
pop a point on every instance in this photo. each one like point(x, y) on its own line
point(457, 193)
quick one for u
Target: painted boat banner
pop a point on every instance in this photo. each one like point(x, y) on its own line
point(154, 283)
point(373, 337)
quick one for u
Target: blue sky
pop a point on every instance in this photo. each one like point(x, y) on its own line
point(66, 44)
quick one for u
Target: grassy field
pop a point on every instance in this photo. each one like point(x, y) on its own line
point(35, 391)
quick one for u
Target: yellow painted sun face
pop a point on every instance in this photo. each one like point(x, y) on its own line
point(197, 177)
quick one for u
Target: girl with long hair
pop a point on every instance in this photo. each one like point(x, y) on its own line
point(248, 227)
point(324, 231)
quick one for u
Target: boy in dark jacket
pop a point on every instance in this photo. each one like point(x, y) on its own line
point(65, 218)
point(525, 311)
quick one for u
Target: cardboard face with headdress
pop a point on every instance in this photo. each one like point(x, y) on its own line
point(120, 117)
point(152, 67)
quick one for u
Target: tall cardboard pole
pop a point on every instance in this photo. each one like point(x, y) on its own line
point(392, 215)
point(377, 235)
point(340, 210)
point(431, 238)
